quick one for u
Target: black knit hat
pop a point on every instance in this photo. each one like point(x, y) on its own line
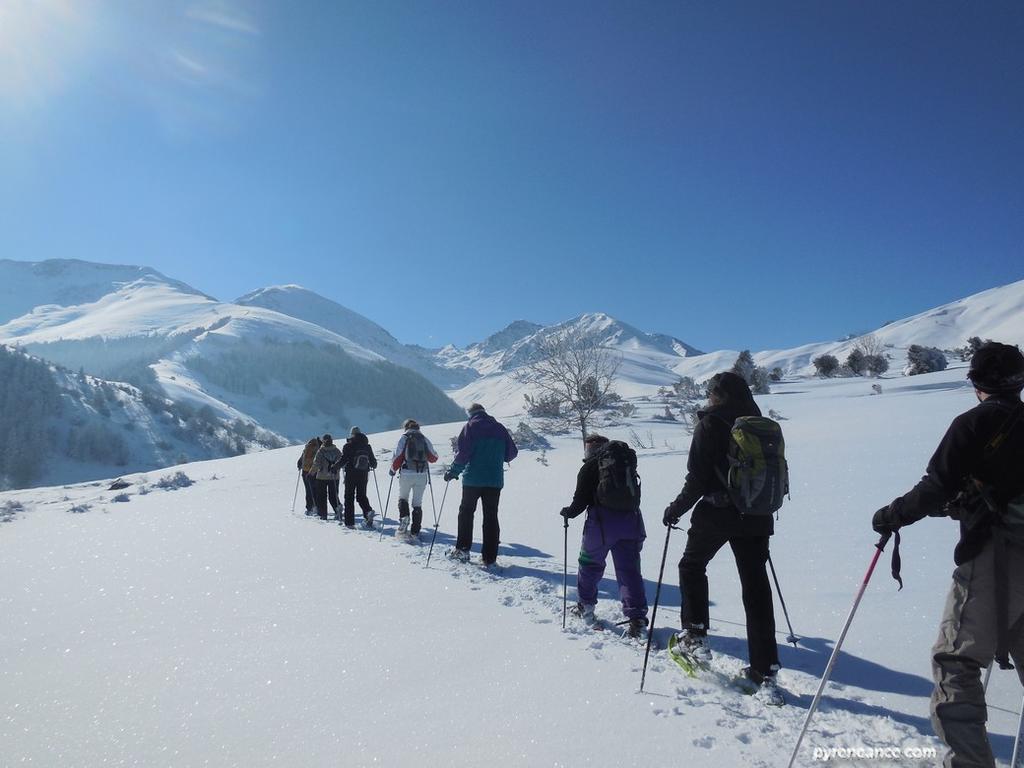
point(997, 369)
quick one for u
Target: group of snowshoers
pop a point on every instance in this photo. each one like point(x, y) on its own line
point(484, 447)
point(976, 476)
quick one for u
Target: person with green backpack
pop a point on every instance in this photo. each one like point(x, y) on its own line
point(736, 475)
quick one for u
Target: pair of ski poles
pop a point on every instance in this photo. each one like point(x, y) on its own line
point(791, 638)
point(434, 509)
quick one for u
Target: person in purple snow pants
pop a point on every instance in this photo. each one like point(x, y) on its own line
point(613, 526)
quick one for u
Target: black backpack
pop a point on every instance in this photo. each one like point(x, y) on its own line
point(618, 484)
point(416, 452)
point(361, 462)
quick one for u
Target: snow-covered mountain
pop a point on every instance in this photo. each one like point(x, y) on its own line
point(296, 301)
point(246, 363)
point(510, 347)
point(25, 285)
point(648, 360)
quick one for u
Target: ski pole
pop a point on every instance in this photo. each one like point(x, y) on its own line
point(437, 522)
point(295, 496)
point(988, 676)
point(565, 572)
point(1016, 743)
point(792, 638)
point(654, 613)
point(430, 485)
point(384, 514)
point(879, 547)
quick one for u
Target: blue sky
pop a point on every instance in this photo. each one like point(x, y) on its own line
point(736, 174)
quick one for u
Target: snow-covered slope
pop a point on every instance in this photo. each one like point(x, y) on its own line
point(651, 361)
point(57, 426)
point(996, 314)
point(210, 625)
point(296, 301)
point(25, 285)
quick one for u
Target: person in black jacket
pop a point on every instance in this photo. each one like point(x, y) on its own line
point(357, 460)
point(976, 476)
point(714, 523)
point(618, 531)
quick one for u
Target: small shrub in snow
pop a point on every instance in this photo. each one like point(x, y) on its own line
point(687, 389)
point(9, 510)
point(876, 389)
point(876, 365)
point(924, 360)
point(641, 442)
point(826, 365)
point(776, 374)
point(627, 410)
point(79, 509)
point(529, 439)
point(121, 497)
point(760, 381)
point(773, 414)
point(173, 482)
point(546, 406)
point(666, 416)
point(856, 363)
point(744, 366)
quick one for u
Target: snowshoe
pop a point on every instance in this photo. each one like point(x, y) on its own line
point(459, 555)
point(766, 686)
point(637, 628)
point(691, 652)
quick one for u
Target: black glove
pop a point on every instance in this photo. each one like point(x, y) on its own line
point(672, 515)
point(568, 514)
point(886, 520)
point(449, 476)
point(391, 472)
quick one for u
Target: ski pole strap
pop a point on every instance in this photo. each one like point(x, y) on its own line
point(896, 562)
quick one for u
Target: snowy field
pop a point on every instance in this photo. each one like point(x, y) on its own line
point(211, 625)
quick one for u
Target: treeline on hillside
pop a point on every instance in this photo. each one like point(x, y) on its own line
point(29, 400)
point(331, 378)
point(123, 358)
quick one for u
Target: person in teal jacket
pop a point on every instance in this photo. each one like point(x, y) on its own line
point(484, 447)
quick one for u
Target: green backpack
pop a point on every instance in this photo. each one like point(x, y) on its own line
point(758, 476)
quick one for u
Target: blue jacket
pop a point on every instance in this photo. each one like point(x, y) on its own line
point(484, 447)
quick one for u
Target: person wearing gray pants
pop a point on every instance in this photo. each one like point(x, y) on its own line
point(975, 478)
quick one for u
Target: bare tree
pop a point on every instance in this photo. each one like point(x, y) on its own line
point(870, 345)
point(576, 371)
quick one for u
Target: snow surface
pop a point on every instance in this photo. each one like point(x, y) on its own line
point(212, 625)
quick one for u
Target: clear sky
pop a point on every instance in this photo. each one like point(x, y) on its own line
point(756, 174)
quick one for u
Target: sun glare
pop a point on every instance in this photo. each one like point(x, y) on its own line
point(38, 41)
